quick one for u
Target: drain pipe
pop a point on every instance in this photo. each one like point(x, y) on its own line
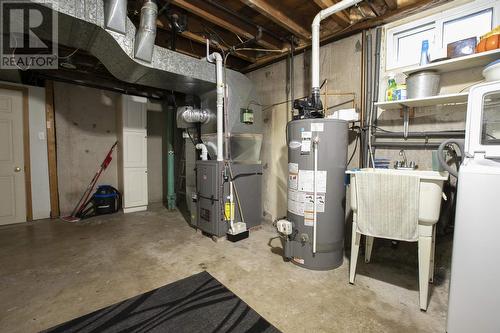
point(204, 151)
point(146, 34)
point(315, 43)
point(171, 196)
point(217, 58)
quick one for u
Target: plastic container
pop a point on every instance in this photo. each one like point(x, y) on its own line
point(492, 71)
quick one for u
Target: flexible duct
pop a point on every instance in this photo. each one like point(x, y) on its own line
point(115, 15)
point(192, 115)
point(217, 58)
point(146, 34)
point(440, 153)
point(315, 40)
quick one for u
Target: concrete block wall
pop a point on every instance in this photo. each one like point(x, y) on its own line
point(85, 131)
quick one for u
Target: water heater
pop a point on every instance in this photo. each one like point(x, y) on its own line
point(313, 234)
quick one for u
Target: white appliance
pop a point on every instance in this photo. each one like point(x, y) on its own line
point(474, 301)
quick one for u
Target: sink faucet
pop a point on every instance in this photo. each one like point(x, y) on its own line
point(405, 160)
point(404, 163)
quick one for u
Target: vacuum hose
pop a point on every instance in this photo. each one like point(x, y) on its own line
point(460, 143)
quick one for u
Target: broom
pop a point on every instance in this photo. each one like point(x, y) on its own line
point(74, 217)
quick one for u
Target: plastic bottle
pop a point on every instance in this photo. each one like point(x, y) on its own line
point(424, 53)
point(391, 87)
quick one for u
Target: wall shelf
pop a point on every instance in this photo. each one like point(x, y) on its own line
point(450, 65)
point(427, 101)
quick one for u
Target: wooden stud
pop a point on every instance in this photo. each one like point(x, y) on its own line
point(278, 17)
point(51, 148)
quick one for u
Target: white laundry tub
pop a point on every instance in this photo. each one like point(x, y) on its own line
point(431, 189)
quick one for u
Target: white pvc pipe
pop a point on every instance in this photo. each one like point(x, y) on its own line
point(315, 37)
point(204, 151)
point(220, 97)
point(315, 190)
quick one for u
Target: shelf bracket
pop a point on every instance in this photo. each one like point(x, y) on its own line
point(406, 122)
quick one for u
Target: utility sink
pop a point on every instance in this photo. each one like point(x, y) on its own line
point(431, 188)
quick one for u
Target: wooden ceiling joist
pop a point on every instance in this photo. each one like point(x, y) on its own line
point(202, 40)
point(278, 17)
point(391, 4)
point(196, 10)
point(387, 17)
point(340, 18)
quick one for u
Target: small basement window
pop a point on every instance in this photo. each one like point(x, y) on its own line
point(470, 20)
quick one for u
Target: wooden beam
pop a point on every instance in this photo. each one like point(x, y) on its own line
point(221, 22)
point(389, 16)
point(392, 4)
point(278, 17)
point(340, 18)
point(202, 40)
point(51, 148)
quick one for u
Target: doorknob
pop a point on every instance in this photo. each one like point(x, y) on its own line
point(17, 169)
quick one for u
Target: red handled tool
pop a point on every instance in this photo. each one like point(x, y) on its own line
point(74, 217)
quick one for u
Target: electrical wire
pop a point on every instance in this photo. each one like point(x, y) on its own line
point(70, 55)
point(355, 148)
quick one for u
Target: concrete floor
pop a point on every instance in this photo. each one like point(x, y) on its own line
point(52, 271)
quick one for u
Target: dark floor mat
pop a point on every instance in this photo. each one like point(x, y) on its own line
point(198, 303)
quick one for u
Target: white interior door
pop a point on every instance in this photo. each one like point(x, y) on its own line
point(12, 181)
point(136, 187)
point(135, 149)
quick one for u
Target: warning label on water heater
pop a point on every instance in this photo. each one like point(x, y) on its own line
point(306, 181)
point(301, 192)
point(305, 146)
point(296, 202)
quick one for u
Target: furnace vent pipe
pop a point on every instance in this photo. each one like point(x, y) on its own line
point(315, 40)
point(115, 15)
point(217, 58)
point(146, 34)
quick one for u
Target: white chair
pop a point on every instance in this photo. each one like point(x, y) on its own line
point(374, 199)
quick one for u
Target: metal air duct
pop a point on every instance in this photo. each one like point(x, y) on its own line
point(146, 34)
point(115, 15)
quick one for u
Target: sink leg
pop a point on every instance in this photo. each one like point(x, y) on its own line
point(433, 254)
point(356, 240)
point(424, 259)
point(368, 248)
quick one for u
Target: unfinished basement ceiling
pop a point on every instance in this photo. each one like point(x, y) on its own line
point(228, 23)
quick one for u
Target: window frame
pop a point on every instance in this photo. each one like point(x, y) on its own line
point(436, 20)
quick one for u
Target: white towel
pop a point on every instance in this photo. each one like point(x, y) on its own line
point(387, 205)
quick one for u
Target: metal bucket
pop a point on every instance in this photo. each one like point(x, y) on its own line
point(422, 84)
